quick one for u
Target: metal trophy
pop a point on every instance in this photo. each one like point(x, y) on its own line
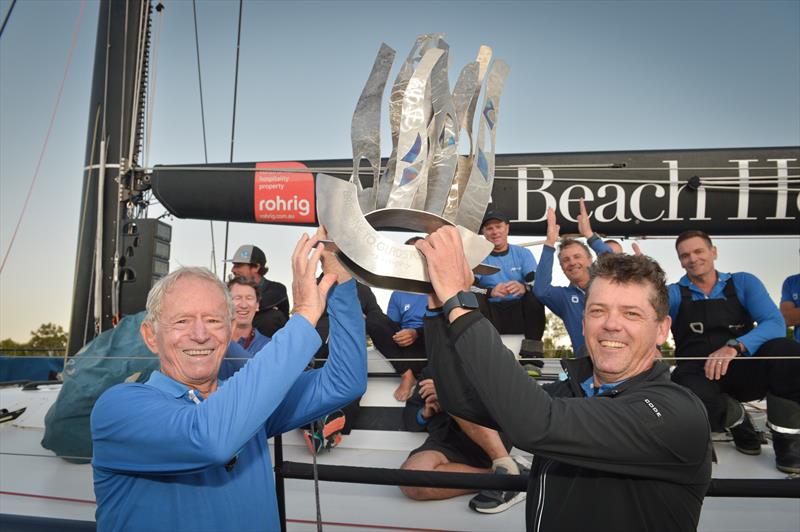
point(426, 184)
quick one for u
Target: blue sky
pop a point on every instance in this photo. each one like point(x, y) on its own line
point(584, 76)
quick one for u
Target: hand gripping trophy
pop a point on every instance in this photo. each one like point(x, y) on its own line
point(426, 184)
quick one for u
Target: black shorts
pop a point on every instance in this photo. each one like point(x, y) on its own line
point(458, 448)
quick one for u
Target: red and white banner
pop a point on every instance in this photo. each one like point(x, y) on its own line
point(283, 196)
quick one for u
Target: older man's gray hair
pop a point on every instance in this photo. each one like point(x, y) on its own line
point(155, 298)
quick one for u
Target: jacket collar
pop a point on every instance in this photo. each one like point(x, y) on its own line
point(580, 369)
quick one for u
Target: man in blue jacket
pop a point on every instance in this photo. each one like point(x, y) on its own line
point(567, 302)
point(712, 320)
point(187, 451)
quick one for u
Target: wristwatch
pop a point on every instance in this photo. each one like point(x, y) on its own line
point(734, 343)
point(465, 300)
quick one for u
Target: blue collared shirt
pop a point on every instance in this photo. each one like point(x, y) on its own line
point(753, 297)
point(590, 389)
point(256, 344)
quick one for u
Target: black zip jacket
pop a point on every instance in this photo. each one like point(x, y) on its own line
point(636, 458)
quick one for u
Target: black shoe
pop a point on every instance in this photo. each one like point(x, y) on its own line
point(787, 452)
point(496, 501)
point(745, 436)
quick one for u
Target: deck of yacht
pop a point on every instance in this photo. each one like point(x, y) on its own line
point(34, 482)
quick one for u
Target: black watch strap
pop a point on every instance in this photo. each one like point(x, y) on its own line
point(734, 343)
point(465, 300)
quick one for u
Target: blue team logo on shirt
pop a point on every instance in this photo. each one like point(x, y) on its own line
point(406, 307)
point(575, 299)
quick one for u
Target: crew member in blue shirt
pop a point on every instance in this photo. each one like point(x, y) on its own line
point(405, 312)
point(567, 302)
point(790, 303)
point(245, 296)
point(512, 307)
point(186, 451)
point(712, 318)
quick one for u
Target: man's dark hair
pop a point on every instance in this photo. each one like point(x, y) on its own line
point(633, 269)
point(244, 281)
point(566, 242)
point(692, 233)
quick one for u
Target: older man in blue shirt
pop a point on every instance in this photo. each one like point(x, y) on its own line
point(187, 451)
point(713, 315)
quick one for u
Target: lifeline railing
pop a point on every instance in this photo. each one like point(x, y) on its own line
point(719, 487)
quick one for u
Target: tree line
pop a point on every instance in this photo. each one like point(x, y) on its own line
point(49, 338)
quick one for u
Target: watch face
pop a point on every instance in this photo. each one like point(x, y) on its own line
point(465, 300)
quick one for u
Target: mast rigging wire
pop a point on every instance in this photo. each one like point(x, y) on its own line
point(151, 87)
point(72, 46)
point(203, 123)
point(233, 121)
point(8, 14)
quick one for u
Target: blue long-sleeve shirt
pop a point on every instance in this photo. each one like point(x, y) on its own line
point(751, 294)
point(566, 302)
point(516, 264)
point(160, 450)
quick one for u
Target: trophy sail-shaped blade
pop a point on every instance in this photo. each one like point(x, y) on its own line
point(421, 45)
point(464, 92)
point(442, 142)
point(442, 178)
point(467, 120)
point(457, 187)
point(479, 188)
point(365, 129)
point(411, 171)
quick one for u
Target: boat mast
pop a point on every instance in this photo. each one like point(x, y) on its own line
point(112, 184)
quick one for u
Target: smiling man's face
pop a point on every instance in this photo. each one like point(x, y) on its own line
point(246, 302)
point(192, 333)
point(575, 262)
point(622, 329)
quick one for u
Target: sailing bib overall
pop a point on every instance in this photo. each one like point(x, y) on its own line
point(703, 326)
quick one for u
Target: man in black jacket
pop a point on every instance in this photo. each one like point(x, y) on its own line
point(617, 445)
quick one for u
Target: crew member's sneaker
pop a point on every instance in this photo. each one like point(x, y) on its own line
point(333, 424)
point(496, 501)
point(745, 437)
point(327, 437)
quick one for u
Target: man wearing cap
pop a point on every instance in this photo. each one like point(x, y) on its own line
point(512, 307)
point(273, 308)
